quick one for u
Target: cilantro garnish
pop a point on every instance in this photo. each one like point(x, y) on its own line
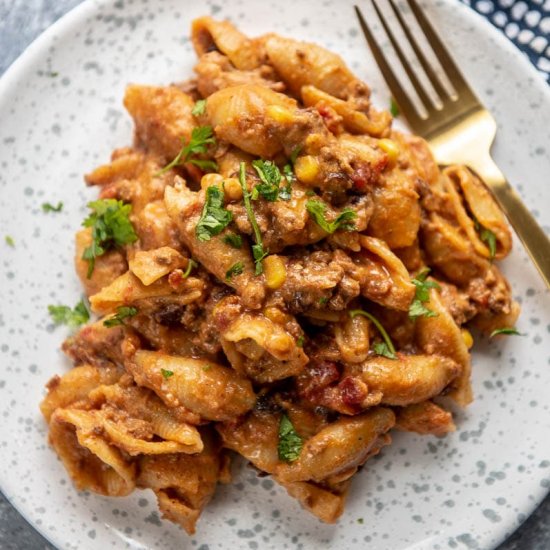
point(270, 177)
point(385, 348)
point(294, 154)
point(214, 217)
point(236, 269)
point(166, 373)
point(344, 220)
point(285, 193)
point(122, 313)
point(422, 295)
point(505, 330)
point(199, 108)
point(233, 240)
point(488, 237)
point(47, 207)
point(9, 241)
point(300, 341)
point(190, 265)
point(64, 315)
point(290, 443)
point(201, 137)
point(111, 228)
point(258, 251)
point(394, 109)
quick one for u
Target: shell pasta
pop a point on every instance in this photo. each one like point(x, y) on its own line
point(275, 272)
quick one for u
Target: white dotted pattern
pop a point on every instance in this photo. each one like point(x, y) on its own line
point(527, 24)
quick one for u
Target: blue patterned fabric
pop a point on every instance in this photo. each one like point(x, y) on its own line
point(526, 24)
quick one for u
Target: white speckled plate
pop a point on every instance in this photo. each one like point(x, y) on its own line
point(468, 490)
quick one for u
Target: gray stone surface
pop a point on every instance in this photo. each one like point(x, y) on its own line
point(20, 22)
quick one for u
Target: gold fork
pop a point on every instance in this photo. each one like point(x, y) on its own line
point(458, 127)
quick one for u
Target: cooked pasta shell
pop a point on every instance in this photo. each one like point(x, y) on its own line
point(425, 418)
point(340, 447)
point(410, 378)
point(75, 386)
point(352, 339)
point(151, 265)
point(237, 115)
point(205, 388)
point(385, 280)
point(162, 116)
point(93, 463)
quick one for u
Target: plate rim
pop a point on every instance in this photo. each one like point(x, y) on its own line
point(18, 69)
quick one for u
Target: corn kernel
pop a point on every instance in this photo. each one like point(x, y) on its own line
point(275, 271)
point(211, 179)
point(280, 114)
point(467, 337)
point(306, 168)
point(391, 149)
point(232, 189)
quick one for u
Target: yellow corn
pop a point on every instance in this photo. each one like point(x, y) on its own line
point(275, 271)
point(211, 179)
point(306, 168)
point(467, 337)
point(391, 149)
point(280, 114)
point(233, 190)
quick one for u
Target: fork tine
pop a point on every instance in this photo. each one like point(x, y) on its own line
point(393, 83)
point(441, 52)
point(434, 77)
point(419, 88)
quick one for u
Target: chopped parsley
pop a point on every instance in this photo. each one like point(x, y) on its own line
point(64, 315)
point(190, 265)
point(323, 300)
point(111, 228)
point(285, 193)
point(422, 295)
point(488, 237)
point(505, 330)
point(360, 521)
point(294, 154)
point(290, 443)
point(199, 108)
point(233, 240)
point(47, 207)
point(270, 177)
point(214, 217)
point(166, 373)
point(300, 341)
point(385, 348)
point(122, 313)
point(344, 220)
point(258, 251)
point(201, 137)
point(394, 109)
point(9, 241)
point(236, 269)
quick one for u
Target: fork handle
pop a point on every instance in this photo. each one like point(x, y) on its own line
point(532, 235)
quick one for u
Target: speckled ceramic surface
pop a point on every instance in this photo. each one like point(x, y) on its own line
point(61, 114)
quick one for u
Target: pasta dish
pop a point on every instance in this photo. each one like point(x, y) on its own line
point(276, 273)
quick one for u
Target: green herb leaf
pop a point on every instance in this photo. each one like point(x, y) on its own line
point(343, 221)
point(505, 330)
point(166, 373)
point(236, 269)
point(233, 240)
point(214, 217)
point(111, 228)
point(422, 295)
point(295, 153)
point(47, 207)
point(285, 193)
point(270, 177)
point(122, 313)
point(490, 239)
point(204, 164)
point(199, 108)
point(190, 265)
point(201, 137)
point(258, 250)
point(300, 341)
point(9, 241)
point(290, 443)
point(323, 300)
point(64, 315)
point(360, 521)
point(394, 109)
point(385, 348)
